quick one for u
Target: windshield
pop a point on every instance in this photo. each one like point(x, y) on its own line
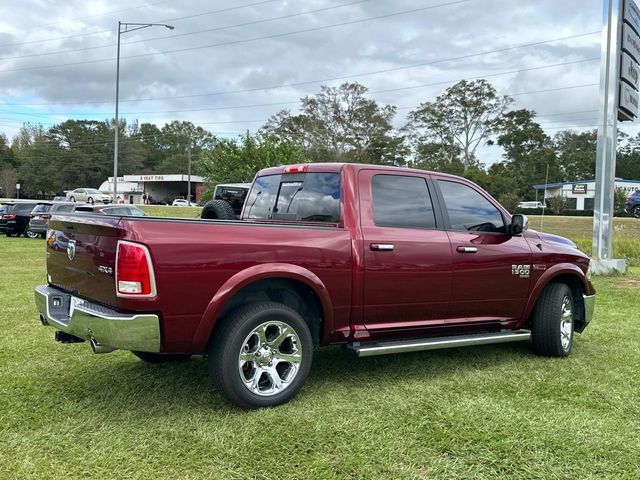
point(312, 197)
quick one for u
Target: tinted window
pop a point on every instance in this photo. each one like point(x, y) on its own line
point(400, 201)
point(469, 210)
point(23, 208)
point(63, 208)
point(313, 197)
point(42, 208)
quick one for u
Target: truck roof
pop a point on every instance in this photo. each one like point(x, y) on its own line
point(336, 167)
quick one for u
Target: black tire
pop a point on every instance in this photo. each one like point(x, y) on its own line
point(29, 234)
point(73, 199)
point(90, 201)
point(547, 321)
point(236, 332)
point(217, 209)
point(8, 234)
point(43, 235)
point(161, 357)
point(635, 211)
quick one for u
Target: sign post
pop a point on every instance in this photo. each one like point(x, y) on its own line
point(17, 190)
point(619, 84)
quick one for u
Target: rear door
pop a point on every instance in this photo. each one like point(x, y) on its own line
point(491, 269)
point(407, 259)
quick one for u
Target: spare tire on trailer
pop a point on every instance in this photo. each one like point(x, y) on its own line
point(217, 210)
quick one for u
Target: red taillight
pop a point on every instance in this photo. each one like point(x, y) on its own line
point(9, 217)
point(296, 168)
point(134, 272)
point(45, 217)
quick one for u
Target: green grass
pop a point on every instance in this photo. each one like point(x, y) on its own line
point(626, 234)
point(168, 211)
point(476, 413)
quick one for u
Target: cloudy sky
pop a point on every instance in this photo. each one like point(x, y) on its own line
point(229, 65)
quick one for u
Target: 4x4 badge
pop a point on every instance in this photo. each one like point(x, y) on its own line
point(71, 249)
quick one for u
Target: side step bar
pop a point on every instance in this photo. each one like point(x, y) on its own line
point(368, 349)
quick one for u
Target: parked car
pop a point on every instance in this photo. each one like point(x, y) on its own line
point(124, 210)
point(41, 214)
point(89, 195)
point(60, 199)
point(632, 205)
point(531, 205)
point(15, 218)
point(380, 259)
point(181, 202)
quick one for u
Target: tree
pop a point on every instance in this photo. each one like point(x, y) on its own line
point(232, 160)
point(459, 121)
point(576, 153)
point(341, 124)
point(628, 158)
point(528, 152)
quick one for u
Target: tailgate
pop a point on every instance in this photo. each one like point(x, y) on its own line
point(81, 255)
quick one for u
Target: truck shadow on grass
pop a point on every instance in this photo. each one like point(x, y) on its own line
point(126, 382)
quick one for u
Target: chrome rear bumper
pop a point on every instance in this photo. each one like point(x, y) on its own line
point(100, 325)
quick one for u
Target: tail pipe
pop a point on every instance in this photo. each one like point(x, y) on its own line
point(97, 348)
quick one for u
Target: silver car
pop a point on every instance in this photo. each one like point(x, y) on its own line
point(89, 195)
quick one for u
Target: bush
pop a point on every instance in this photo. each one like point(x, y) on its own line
point(509, 201)
point(533, 211)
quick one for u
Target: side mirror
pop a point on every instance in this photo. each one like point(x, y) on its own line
point(519, 224)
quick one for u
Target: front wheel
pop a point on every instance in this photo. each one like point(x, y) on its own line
point(90, 201)
point(261, 355)
point(553, 320)
point(636, 211)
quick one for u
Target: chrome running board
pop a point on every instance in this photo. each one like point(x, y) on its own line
point(368, 349)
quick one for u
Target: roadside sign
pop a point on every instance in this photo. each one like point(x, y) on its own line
point(579, 188)
point(17, 186)
point(629, 58)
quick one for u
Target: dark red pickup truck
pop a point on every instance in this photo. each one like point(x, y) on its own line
point(380, 259)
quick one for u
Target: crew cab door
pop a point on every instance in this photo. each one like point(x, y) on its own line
point(407, 260)
point(491, 269)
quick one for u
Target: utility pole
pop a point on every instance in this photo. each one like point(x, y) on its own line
point(189, 172)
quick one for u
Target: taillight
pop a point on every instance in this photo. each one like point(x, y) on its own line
point(45, 217)
point(9, 217)
point(134, 271)
point(296, 168)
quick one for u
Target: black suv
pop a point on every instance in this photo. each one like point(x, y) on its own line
point(15, 218)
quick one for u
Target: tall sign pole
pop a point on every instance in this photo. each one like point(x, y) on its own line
point(619, 83)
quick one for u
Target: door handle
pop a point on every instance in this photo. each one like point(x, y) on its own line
point(462, 249)
point(382, 247)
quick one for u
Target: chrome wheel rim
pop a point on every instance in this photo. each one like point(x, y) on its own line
point(270, 358)
point(566, 323)
point(32, 234)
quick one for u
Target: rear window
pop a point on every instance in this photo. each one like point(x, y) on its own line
point(63, 208)
point(23, 208)
point(311, 197)
point(42, 208)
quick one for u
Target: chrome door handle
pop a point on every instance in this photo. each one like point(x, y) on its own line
point(382, 247)
point(467, 249)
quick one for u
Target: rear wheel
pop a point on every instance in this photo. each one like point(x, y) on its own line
point(553, 321)
point(90, 201)
point(161, 357)
point(261, 355)
point(73, 199)
point(636, 211)
point(30, 233)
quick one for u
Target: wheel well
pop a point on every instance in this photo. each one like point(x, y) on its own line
point(577, 290)
point(295, 294)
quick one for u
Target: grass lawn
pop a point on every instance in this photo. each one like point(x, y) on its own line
point(481, 412)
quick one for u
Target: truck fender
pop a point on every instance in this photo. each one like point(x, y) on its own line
point(548, 276)
point(253, 274)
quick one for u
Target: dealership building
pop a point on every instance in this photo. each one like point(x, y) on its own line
point(162, 188)
point(581, 194)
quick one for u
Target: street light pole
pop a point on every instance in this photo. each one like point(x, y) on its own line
point(128, 27)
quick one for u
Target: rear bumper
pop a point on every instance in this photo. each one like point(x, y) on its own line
point(38, 226)
point(90, 321)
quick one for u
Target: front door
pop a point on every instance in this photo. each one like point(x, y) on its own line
point(491, 269)
point(407, 259)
